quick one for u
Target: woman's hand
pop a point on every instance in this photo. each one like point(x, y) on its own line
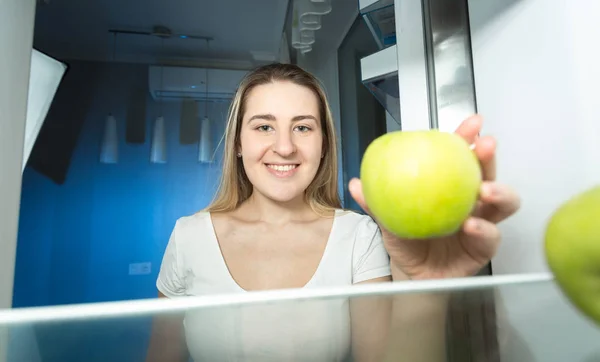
point(472, 247)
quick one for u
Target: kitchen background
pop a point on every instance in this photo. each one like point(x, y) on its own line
point(96, 209)
point(545, 121)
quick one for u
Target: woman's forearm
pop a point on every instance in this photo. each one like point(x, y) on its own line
point(167, 341)
point(418, 326)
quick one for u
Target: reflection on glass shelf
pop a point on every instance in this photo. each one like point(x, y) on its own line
point(379, 16)
point(501, 318)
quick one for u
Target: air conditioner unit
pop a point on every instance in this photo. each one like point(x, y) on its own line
point(186, 83)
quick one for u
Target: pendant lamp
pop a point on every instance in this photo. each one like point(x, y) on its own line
point(158, 148)
point(158, 151)
point(109, 152)
point(109, 149)
point(205, 148)
point(205, 144)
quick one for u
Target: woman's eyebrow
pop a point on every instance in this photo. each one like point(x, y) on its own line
point(270, 117)
point(305, 116)
point(267, 117)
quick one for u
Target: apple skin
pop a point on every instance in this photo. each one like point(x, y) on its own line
point(420, 184)
point(572, 247)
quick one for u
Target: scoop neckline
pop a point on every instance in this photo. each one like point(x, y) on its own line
point(227, 271)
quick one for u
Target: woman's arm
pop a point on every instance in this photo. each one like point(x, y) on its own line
point(371, 316)
point(410, 327)
point(417, 326)
point(167, 341)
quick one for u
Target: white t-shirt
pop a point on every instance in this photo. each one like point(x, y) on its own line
point(318, 330)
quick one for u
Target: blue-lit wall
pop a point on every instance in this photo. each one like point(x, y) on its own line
point(76, 240)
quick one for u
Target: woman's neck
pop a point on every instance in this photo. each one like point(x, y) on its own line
point(264, 209)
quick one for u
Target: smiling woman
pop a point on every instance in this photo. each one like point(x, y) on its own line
point(284, 142)
point(277, 222)
point(280, 117)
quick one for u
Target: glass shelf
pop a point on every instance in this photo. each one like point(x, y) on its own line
point(508, 318)
point(379, 16)
point(380, 75)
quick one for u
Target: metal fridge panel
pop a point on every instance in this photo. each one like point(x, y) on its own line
point(451, 76)
point(412, 66)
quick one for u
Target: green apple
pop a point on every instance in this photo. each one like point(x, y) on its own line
point(420, 184)
point(572, 246)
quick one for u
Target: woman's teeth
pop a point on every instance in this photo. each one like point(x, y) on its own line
point(282, 167)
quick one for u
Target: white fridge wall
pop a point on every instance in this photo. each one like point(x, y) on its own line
point(16, 38)
point(538, 99)
point(536, 76)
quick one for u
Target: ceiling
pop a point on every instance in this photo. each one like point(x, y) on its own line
point(76, 29)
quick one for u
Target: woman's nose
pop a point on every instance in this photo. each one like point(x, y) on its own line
point(284, 144)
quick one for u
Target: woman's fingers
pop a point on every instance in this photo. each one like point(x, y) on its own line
point(497, 202)
point(355, 188)
point(481, 238)
point(470, 128)
point(485, 149)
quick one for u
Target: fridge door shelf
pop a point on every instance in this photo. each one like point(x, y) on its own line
point(380, 76)
point(380, 18)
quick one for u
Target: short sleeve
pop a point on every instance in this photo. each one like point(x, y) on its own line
point(370, 259)
point(170, 280)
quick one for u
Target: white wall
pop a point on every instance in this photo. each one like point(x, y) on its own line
point(16, 38)
point(536, 77)
point(537, 324)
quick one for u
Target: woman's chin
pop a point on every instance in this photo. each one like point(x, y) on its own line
point(285, 198)
point(281, 192)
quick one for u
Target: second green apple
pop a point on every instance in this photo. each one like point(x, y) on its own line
point(420, 184)
point(572, 249)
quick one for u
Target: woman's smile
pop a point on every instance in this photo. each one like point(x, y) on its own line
point(282, 170)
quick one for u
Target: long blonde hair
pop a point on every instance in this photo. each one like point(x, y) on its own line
point(235, 187)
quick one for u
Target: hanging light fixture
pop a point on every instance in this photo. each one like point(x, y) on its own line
point(205, 148)
point(109, 148)
point(158, 149)
point(109, 152)
point(205, 144)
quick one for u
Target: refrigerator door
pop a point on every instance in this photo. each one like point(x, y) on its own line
point(425, 80)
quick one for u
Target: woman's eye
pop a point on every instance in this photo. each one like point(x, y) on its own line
point(303, 128)
point(264, 128)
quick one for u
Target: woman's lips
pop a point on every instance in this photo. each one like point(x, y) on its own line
point(282, 170)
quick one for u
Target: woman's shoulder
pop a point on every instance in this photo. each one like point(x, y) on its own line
point(192, 227)
point(194, 218)
point(349, 216)
point(192, 221)
point(356, 222)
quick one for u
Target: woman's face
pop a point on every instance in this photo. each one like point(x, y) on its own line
point(281, 141)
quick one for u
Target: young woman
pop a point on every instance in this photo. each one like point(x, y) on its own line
point(277, 222)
